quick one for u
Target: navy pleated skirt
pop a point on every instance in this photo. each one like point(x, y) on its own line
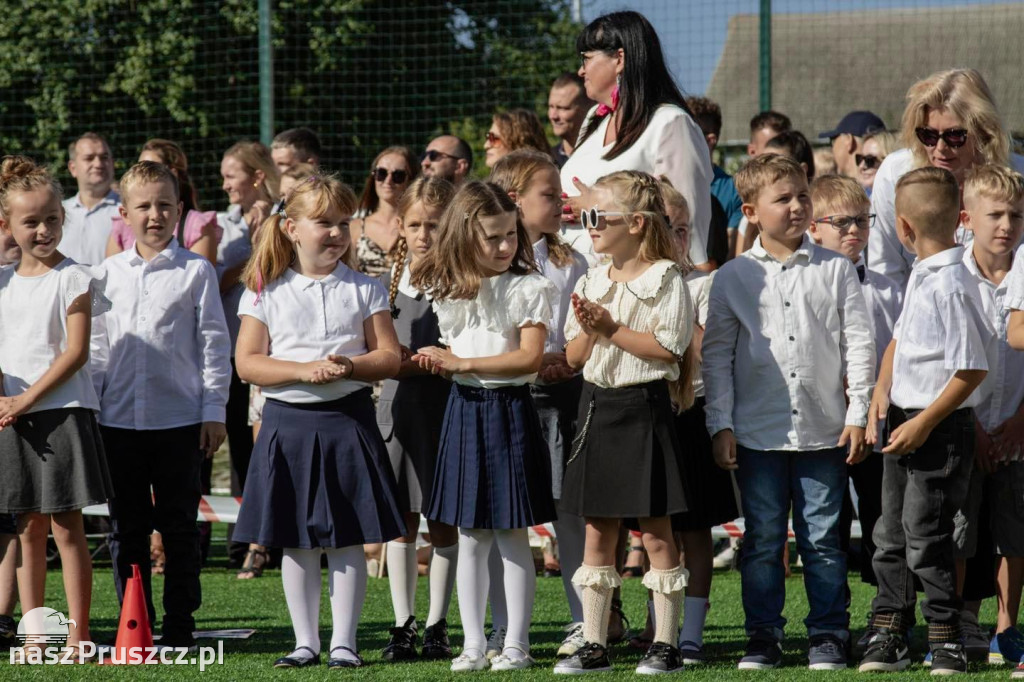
point(493, 469)
point(319, 477)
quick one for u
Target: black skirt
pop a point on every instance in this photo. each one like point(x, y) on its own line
point(626, 459)
point(710, 494)
point(319, 477)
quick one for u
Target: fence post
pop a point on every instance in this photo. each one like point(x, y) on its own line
point(266, 62)
point(765, 52)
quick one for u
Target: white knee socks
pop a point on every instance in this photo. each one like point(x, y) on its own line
point(402, 574)
point(668, 587)
point(520, 585)
point(300, 575)
point(347, 581)
point(598, 584)
point(572, 532)
point(442, 581)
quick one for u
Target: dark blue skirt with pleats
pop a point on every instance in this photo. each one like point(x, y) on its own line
point(493, 469)
point(319, 477)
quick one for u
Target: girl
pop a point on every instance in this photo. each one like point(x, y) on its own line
point(410, 413)
point(53, 460)
point(376, 233)
point(492, 478)
point(631, 369)
point(531, 180)
point(314, 335)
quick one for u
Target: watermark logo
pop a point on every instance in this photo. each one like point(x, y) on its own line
point(45, 627)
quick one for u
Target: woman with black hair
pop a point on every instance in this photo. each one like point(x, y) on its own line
point(641, 123)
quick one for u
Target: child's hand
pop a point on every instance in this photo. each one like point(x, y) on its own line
point(859, 448)
point(1008, 437)
point(345, 365)
point(578, 310)
point(320, 372)
point(723, 446)
point(255, 217)
point(985, 456)
point(555, 368)
point(12, 408)
point(598, 318)
point(908, 436)
point(440, 361)
point(211, 437)
point(7, 421)
point(876, 414)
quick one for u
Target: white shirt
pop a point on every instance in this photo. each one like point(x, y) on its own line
point(672, 145)
point(884, 299)
point(942, 329)
point(309, 319)
point(234, 248)
point(490, 324)
point(699, 285)
point(779, 340)
point(87, 230)
point(564, 279)
point(34, 331)
point(657, 302)
point(1003, 389)
point(160, 356)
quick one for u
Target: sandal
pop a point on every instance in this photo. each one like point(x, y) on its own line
point(255, 561)
point(624, 623)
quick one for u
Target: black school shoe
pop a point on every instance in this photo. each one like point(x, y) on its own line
point(589, 658)
point(435, 641)
point(296, 662)
point(887, 652)
point(402, 645)
point(660, 658)
point(8, 632)
point(948, 658)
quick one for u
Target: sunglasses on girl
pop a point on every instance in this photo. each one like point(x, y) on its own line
point(398, 176)
point(590, 217)
point(869, 160)
point(954, 137)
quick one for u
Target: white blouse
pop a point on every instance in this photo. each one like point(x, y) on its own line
point(672, 145)
point(34, 332)
point(699, 285)
point(656, 302)
point(564, 278)
point(309, 319)
point(489, 324)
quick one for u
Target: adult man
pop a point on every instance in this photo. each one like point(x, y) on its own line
point(448, 157)
point(568, 105)
point(763, 127)
point(88, 214)
point(294, 146)
point(847, 138)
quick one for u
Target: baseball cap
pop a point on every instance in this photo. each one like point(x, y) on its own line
point(857, 123)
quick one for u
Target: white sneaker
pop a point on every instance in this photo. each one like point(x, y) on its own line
point(495, 643)
point(514, 659)
point(573, 641)
point(727, 557)
point(468, 662)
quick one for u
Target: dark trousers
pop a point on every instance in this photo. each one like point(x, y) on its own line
point(169, 460)
point(240, 446)
point(867, 481)
point(921, 493)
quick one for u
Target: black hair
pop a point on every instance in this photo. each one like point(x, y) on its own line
point(797, 147)
point(778, 122)
point(464, 151)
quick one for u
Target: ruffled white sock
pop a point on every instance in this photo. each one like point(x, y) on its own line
point(442, 581)
point(520, 585)
point(300, 576)
point(473, 579)
point(572, 533)
point(402, 574)
point(347, 582)
point(695, 612)
point(668, 588)
point(598, 583)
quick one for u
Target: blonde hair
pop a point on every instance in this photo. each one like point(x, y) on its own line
point(274, 252)
point(831, 191)
point(887, 142)
point(671, 196)
point(764, 170)
point(299, 172)
point(965, 94)
point(21, 174)
point(514, 172)
point(999, 183)
point(636, 192)
point(145, 172)
point(824, 161)
point(429, 191)
point(929, 199)
point(451, 269)
point(522, 129)
point(254, 156)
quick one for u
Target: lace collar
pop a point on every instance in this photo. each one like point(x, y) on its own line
point(645, 287)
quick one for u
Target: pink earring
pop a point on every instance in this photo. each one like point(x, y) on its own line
point(604, 109)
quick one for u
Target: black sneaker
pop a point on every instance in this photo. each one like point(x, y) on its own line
point(948, 658)
point(589, 658)
point(8, 632)
point(861, 645)
point(660, 658)
point(887, 652)
point(976, 641)
point(435, 641)
point(763, 652)
point(402, 645)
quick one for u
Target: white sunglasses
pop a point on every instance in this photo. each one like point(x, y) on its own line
point(589, 217)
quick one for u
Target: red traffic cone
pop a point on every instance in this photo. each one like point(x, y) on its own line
point(133, 634)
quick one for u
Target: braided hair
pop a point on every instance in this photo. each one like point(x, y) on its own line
point(430, 191)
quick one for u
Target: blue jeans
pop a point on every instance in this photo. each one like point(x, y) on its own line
point(813, 482)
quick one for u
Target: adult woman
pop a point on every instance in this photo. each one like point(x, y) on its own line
point(950, 122)
point(876, 147)
point(377, 230)
point(512, 130)
point(641, 123)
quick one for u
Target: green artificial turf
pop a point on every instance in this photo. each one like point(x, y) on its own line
point(259, 604)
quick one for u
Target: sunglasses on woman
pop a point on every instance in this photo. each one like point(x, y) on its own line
point(954, 137)
point(590, 217)
point(869, 160)
point(491, 137)
point(398, 176)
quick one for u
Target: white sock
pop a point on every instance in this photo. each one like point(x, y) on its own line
point(402, 574)
point(668, 587)
point(496, 593)
point(300, 575)
point(598, 583)
point(695, 612)
point(520, 585)
point(347, 581)
point(473, 579)
point(442, 581)
point(572, 532)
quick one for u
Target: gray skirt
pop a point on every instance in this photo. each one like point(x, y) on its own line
point(52, 462)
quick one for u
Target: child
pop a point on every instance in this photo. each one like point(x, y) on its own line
point(410, 413)
point(993, 203)
point(314, 335)
point(631, 370)
point(937, 358)
point(493, 473)
point(161, 369)
point(532, 181)
point(8, 579)
point(10, 252)
point(54, 462)
point(784, 321)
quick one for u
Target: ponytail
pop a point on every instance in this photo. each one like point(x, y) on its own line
point(273, 254)
point(21, 174)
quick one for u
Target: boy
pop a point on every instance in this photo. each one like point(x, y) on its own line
point(784, 321)
point(936, 360)
point(160, 362)
point(994, 213)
